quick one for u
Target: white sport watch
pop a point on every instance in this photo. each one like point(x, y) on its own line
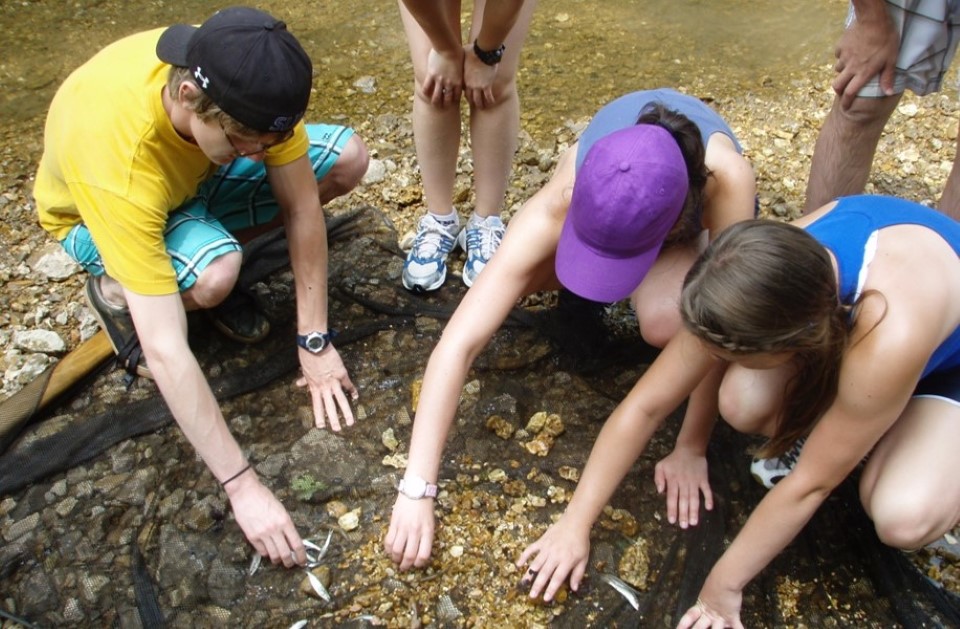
point(415, 488)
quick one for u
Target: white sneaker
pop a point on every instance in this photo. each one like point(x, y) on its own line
point(769, 472)
point(480, 239)
point(426, 266)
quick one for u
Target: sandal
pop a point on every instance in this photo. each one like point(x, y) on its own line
point(239, 317)
point(118, 326)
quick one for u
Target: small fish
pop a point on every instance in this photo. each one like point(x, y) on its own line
point(321, 552)
point(318, 587)
point(621, 586)
point(254, 564)
point(300, 624)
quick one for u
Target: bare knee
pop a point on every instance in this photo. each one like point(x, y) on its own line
point(658, 319)
point(905, 514)
point(742, 408)
point(865, 115)
point(905, 525)
point(504, 95)
point(731, 408)
point(347, 172)
point(216, 281)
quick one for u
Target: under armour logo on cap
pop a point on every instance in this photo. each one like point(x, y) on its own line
point(204, 81)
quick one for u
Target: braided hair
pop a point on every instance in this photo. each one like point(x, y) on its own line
point(764, 286)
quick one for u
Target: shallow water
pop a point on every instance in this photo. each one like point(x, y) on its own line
point(752, 56)
point(577, 56)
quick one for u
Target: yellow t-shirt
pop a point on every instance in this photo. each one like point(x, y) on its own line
point(112, 160)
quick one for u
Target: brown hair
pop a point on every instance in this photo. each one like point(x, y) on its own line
point(764, 286)
point(688, 137)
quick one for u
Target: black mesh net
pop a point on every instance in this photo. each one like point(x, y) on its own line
point(110, 519)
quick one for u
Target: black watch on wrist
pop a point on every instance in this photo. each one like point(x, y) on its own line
point(489, 57)
point(315, 342)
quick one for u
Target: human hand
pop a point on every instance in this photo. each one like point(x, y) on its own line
point(444, 81)
point(562, 550)
point(328, 380)
point(478, 79)
point(682, 475)
point(867, 49)
point(409, 539)
point(265, 522)
point(714, 610)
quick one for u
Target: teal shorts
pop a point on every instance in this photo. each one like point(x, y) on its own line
point(238, 196)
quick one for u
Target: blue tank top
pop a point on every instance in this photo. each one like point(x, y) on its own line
point(849, 232)
point(624, 111)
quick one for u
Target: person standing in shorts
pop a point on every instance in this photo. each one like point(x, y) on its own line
point(484, 71)
point(888, 46)
point(156, 151)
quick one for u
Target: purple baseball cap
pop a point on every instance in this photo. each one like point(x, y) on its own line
point(628, 195)
point(247, 61)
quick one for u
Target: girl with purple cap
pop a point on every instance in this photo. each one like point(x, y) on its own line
point(838, 337)
point(654, 175)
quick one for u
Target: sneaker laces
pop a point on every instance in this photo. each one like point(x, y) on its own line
point(484, 237)
point(790, 456)
point(431, 238)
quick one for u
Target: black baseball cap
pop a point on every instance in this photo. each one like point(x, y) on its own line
point(248, 63)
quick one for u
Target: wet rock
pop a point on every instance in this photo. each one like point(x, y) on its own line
point(25, 369)
point(122, 462)
point(634, 566)
point(350, 520)
point(107, 484)
point(73, 612)
point(225, 582)
point(91, 586)
point(503, 405)
point(376, 172)
point(38, 595)
point(22, 527)
point(6, 506)
point(12, 554)
point(336, 509)
point(66, 506)
point(57, 490)
point(52, 262)
point(272, 466)
point(389, 440)
point(500, 427)
point(204, 514)
point(322, 573)
point(328, 456)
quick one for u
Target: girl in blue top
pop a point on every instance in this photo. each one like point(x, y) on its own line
point(841, 328)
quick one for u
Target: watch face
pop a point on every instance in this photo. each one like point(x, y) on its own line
point(315, 343)
point(414, 487)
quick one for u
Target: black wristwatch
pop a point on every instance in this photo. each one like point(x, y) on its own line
point(315, 342)
point(489, 57)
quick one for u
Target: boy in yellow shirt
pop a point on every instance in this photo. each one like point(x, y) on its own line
point(156, 151)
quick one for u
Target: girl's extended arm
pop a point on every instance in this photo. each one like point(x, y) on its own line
point(563, 550)
point(872, 394)
point(523, 263)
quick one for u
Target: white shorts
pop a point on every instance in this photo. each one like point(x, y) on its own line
point(929, 31)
